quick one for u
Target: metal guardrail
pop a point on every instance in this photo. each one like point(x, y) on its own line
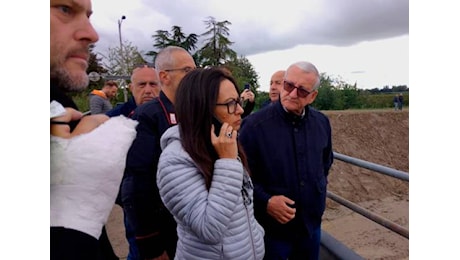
point(372, 166)
point(333, 249)
point(372, 216)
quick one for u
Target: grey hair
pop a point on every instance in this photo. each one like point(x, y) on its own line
point(309, 67)
point(164, 59)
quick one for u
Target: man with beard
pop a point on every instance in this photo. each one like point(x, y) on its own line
point(82, 188)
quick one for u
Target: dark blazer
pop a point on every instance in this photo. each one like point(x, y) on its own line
point(288, 155)
point(125, 109)
point(153, 225)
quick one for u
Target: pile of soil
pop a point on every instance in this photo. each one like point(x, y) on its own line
point(377, 136)
point(381, 137)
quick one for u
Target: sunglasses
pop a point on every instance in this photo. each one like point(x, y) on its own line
point(232, 105)
point(301, 91)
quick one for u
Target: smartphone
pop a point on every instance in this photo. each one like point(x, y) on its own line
point(217, 125)
point(246, 86)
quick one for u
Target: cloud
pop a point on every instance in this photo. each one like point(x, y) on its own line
point(339, 36)
point(257, 26)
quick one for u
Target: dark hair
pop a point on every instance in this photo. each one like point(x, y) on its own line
point(110, 83)
point(196, 98)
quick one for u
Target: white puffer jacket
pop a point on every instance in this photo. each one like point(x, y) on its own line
point(214, 224)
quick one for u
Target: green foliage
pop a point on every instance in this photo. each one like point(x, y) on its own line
point(330, 98)
point(384, 100)
point(123, 61)
point(261, 97)
point(216, 50)
point(243, 72)
point(333, 94)
point(164, 38)
point(81, 99)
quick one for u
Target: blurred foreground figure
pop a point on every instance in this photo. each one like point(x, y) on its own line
point(83, 188)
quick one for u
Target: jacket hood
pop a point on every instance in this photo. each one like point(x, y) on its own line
point(169, 136)
point(98, 93)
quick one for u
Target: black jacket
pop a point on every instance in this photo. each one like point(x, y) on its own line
point(154, 226)
point(288, 155)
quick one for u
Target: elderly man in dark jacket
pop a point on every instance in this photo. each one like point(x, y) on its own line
point(289, 149)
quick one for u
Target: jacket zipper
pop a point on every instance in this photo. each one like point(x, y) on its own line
point(250, 232)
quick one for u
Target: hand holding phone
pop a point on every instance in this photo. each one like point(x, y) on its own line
point(217, 125)
point(225, 144)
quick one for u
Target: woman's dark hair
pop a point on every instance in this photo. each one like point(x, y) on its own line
point(196, 98)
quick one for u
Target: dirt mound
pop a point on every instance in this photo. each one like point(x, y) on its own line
point(377, 136)
point(380, 136)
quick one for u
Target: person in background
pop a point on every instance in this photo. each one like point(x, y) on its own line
point(276, 84)
point(396, 102)
point(203, 176)
point(82, 188)
point(400, 101)
point(144, 87)
point(99, 100)
point(249, 102)
point(289, 150)
point(247, 95)
point(154, 227)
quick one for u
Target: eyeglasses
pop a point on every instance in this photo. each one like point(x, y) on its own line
point(301, 91)
point(232, 105)
point(184, 69)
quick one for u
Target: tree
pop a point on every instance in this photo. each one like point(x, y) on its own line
point(216, 50)
point(176, 37)
point(325, 98)
point(94, 64)
point(123, 62)
point(243, 71)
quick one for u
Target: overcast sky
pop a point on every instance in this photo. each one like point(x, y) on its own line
point(363, 41)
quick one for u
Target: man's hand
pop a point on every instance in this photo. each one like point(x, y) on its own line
point(87, 123)
point(278, 207)
point(83, 188)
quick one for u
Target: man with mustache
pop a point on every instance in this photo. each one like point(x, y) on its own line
point(82, 187)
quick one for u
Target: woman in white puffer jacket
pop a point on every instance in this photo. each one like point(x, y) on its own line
point(202, 172)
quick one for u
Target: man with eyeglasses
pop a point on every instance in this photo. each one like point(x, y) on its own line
point(289, 150)
point(154, 227)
